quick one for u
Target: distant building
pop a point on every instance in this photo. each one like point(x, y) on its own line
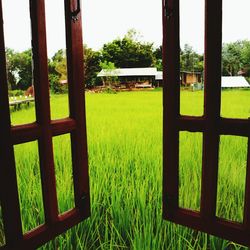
point(159, 78)
point(131, 77)
point(188, 78)
point(234, 82)
point(63, 82)
point(147, 77)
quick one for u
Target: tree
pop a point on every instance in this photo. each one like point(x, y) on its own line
point(128, 52)
point(158, 58)
point(58, 72)
point(92, 66)
point(245, 57)
point(59, 56)
point(231, 58)
point(19, 69)
point(54, 78)
point(11, 71)
point(60, 64)
point(190, 60)
point(109, 70)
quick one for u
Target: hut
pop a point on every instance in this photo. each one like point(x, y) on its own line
point(188, 78)
point(130, 77)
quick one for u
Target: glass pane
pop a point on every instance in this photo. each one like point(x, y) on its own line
point(190, 170)
point(231, 178)
point(63, 167)
point(235, 96)
point(29, 185)
point(19, 61)
point(2, 236)
point(57, 64)
point(191, 57)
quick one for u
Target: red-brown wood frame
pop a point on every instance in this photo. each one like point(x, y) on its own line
point(210, 124)
point(43, 131)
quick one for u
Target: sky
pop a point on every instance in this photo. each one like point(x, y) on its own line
point(105, 20)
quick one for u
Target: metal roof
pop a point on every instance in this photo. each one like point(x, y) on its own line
point(129, 72)
point(234, 82)
point(159, 75)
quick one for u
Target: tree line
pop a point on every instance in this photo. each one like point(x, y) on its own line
point(126, 52)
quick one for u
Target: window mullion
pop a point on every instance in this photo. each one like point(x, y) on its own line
point(171, 106)
point(41, 82)
point(212, 99)
point(79, 152)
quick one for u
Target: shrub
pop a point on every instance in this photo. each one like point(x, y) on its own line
point(109, 90)
point(16, 92)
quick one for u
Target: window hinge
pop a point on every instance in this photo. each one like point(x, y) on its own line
point(167, 10)
point(74, 13)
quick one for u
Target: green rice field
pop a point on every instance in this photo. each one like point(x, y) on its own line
point(125, 167)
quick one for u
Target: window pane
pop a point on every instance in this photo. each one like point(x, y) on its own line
point(19, 61)
point(235, 96)
point(29, 185)
point(63, 167)
point(191, 57)
point(190, 170)
point(57, 65)
point(2, 236)
point(231, 178)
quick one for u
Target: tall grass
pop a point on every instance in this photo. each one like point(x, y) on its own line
point(125, 167)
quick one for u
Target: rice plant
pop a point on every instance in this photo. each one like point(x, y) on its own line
point(125, 167)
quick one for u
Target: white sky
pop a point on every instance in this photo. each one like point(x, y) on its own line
point(105, 20)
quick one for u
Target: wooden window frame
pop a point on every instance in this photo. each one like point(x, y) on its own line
point(211, 124)
point(43, 131)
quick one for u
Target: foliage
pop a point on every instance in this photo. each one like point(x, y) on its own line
point(59, 56)
point(109, 69)
point(19, 69)
point(231, 58)
point(16, 92)
point(61, 68)
point(158, 58)
point(92, 66)
point(109, 90)
point(190, 60)
point(57, 72)
point(10, 53)
point(245, 57)
point(236, 58)
point(60, 64)
point(58, 69)
point(125, 166)
point(55, 85)
point(128, 52)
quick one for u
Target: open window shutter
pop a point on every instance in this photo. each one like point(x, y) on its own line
point(211, 125)
point(43, 130)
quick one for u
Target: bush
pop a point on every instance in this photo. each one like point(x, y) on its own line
point(109, 90)
point(16, 92)
point(55, 86)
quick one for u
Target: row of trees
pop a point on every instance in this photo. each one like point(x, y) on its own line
point(125, 52)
